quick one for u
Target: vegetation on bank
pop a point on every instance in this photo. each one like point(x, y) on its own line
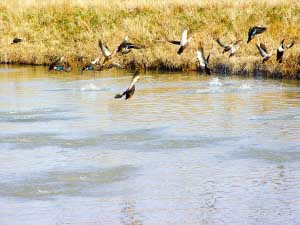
point(73, 28)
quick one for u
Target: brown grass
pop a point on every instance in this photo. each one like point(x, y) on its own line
point(72, 29)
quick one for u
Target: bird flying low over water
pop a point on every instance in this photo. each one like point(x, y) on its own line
point(105, 51)
point(203, 61)
point(131, 89)
point(280, 50)
point(183, 42)
point(264, 52)
point(232, 48)
point(126, 46)
point(254, 31)
point(16, 40)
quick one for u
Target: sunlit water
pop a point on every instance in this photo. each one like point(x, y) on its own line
point(186, 149)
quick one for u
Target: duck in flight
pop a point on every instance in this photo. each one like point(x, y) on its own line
point(203, 61)
point(231, 49)
point(16, 40)
point(254, 31)
point(280, 50)
point(131, 89)
point(183, 43)
point(126, 46)
point(264, 52)
point(105, 51)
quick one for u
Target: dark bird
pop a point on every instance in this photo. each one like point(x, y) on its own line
point(105, 51)
point(183, 42)
point(280, 50)
point(203, 61)
point(130, 90)
point(55, 61)
point(126, 46)
point(254, 31)
point(232, 48)
point(17, 40)
point(264, 52)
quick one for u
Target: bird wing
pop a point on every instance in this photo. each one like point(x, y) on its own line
point(134, 79)
point(259, 30)
point(261, 50)
point(120, 95)
point(120, 47)
point(221, 44)
point(183, 40)
point(174, 42)
point(250, 33)
point(290, 45)
point(207, 59)
point(263, 46)
point(104, 49)
point(200, 57)
point(135, 46)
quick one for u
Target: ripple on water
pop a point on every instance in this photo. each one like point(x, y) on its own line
point(66, 183)
point(36, 115)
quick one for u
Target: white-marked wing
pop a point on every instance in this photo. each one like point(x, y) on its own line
point(134, 79)
point(104, 49)
point(183, 40)
point(261, 50)
point(200, 57)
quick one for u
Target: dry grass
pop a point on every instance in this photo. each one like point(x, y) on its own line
point(72, 28)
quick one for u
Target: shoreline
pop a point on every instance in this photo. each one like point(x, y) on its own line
point(218, 69)
point(73, 30)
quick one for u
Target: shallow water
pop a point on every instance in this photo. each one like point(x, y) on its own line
point(186, 149)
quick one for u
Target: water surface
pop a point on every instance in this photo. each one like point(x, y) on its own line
point(186, 149)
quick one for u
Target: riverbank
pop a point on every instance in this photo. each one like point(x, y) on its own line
point(73, 28)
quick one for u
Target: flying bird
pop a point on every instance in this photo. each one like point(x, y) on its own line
point(280, 50)
point(264, 52)
point(203, 61)
point(183, 42)
point(105, 50)
point(232, 48)
point(254, 31)
point(17, 40)
point(126, 46)
point(131, 89)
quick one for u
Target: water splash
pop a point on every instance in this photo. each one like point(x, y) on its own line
point(89, 87)
point(215, 82)
point(245, 87)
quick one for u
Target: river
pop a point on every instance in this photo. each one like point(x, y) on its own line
point(186, 149)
